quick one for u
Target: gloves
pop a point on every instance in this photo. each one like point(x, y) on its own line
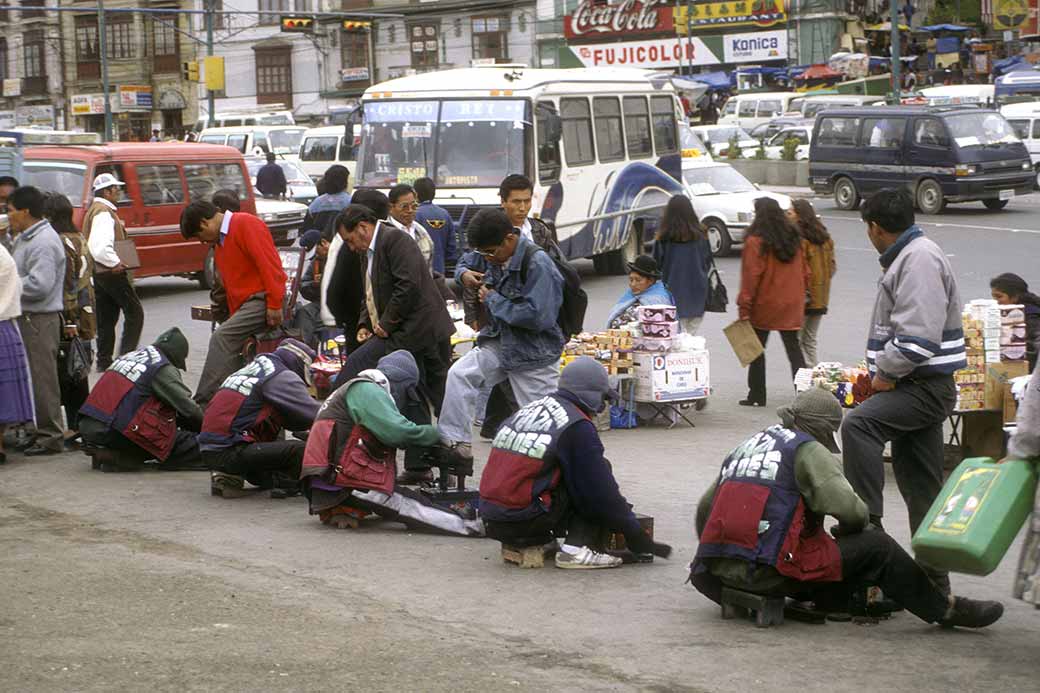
point(641, 543)
point(839, 530)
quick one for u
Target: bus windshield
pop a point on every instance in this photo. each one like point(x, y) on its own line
point(65, 177)
point(459, 143)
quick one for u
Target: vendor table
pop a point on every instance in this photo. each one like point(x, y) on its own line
point(662, 409)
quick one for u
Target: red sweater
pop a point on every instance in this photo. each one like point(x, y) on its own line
point(772, 293)
point(249, 264)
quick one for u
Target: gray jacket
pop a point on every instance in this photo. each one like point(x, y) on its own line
point(40, 258)
point(915, 330)
point(1025, 443)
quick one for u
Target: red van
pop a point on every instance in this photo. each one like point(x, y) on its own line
point(161, 179)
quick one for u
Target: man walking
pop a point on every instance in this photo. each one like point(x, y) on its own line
point(113, 288)
point(40, 259)
point(270, 179)
point(437, 222)
point(254, 281)
point(915, 345)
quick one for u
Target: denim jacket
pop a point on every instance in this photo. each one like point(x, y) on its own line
point(522, 315)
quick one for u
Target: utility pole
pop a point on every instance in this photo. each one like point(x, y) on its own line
point(103, 49)
point(897, 87)
point(689, 35)
point(212, 122)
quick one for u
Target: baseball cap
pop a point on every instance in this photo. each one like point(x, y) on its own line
point(106, 180)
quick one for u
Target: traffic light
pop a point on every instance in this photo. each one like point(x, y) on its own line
point(299, 25)
point(351, 25)
point(190, 70)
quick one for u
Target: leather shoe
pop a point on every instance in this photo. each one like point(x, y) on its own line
point(39, 451)
point(414, 477)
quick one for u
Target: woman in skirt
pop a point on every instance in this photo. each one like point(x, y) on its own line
point(16, 405)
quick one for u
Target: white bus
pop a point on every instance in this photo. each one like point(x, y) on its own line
point(600, 145)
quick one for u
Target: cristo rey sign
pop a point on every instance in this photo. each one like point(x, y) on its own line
point(593, 20)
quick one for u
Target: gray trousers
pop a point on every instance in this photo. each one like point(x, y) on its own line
point(911, 417)
point(41, 333)
point(807, 338)
point(225, 346)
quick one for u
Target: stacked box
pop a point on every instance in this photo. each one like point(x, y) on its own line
point(1012, 333)
point(673, 376)
point(971, 381)
point(612, 348)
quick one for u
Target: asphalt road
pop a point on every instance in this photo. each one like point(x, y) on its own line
point(146, 582)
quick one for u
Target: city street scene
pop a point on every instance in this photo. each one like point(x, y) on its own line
point(627, 345)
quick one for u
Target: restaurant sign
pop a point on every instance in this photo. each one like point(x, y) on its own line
point(743, 13)
point(592, 19)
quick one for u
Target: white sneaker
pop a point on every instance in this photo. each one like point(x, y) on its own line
point(586, 559)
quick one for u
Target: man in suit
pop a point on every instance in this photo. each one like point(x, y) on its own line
point(401, 308)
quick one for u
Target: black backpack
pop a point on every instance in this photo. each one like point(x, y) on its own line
point(575, 300)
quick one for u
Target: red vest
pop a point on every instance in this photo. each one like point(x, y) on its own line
point(123, 400)
point(238, 412)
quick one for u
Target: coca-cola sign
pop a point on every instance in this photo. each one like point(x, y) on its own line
point(597, 19)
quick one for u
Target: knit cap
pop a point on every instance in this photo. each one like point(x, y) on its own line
point(297, 356)
point(586, 379)
point(174, 345)
point(816, 412)
point(400, 369)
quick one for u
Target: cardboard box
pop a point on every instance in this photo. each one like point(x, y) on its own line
point(998, 381)
point(672, 376)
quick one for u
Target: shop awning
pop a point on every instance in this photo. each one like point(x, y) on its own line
point(945, 27)
point(819, 72)
point(714, 80)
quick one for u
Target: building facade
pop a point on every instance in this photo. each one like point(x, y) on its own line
point(31, 57)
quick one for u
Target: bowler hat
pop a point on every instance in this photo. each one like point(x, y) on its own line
point(646, 266)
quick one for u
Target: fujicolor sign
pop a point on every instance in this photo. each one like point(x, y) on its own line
point(762, 45)
point(758, 46)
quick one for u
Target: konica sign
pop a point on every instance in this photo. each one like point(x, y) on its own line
point(762, 45)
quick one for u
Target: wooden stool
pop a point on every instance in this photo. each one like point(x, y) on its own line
point(526, 556)
point(342, 517)
point(769, 611)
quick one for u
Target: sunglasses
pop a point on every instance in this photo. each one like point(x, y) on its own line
point(488, 253)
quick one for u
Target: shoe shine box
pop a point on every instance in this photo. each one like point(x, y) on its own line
point(674, 376)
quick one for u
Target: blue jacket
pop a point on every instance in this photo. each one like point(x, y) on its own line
point(657, 294)
point(684, 269)
point(522, 315)
point(439, 225)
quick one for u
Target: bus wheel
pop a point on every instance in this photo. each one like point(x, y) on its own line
point(616, 261)
point(845, 194)
point(207, 277)
point(719, 239)
point(930, 197)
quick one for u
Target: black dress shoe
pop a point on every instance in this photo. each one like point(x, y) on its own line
point(414, 477)
point(751, 403)
point(39, 451)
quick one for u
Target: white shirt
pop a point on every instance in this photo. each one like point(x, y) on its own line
point(421, 236)
point(102, 243)
point(327, 318)
point(525, 230)
point(371, 254)
point(10, 287)
point(225, 227)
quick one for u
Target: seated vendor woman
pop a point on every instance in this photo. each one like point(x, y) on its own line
point(645, 288)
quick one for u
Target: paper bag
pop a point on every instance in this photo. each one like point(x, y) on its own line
point(745, 343)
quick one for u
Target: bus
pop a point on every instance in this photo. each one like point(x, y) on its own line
point(600, 145)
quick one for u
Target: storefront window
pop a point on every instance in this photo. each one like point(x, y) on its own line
point(425, 46)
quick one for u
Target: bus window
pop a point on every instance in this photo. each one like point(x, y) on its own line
point(238, 142)
point(664, 125)
point(397, 142)
point(610, 137)
point(577, 131)
point(548, 143)
point(481, 142)
point(637, 127)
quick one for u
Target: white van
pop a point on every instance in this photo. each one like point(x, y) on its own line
point(981, 95)
point(807, 105)
point(236, 119)
point(322, 147)
point(751, 110)
point(283, 140)
point(1025, 119)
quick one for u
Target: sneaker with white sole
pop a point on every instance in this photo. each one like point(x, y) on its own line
point(586, 559)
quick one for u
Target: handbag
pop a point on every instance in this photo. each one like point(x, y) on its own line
point(717, 298)
point(75, 359)
point(365, 464)
point(623, 414)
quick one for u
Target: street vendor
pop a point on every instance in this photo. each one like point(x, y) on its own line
point(363, 416)
point(645, 288)
point(1025, 445)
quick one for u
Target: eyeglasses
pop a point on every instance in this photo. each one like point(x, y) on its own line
point(408, 205)
point(488, 253)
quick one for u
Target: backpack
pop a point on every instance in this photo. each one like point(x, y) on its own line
point(575, 300)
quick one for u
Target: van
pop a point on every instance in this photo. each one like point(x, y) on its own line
point(981, 95)
point(283, 140)
point(161, 179)
point(807, 106)
point(751, 110)
point(941, 155)
point(322, 147)
point(237, 119)
point(1025, 121)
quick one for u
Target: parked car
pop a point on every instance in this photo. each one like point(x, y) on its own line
point(718, 137)
point(724, 201)
point(301, 187)
point(765, 131)
point(774, 146)
point(283, 217)
point(1025, 120)
point(942, 155)
point(257, 140)
point(161, 179)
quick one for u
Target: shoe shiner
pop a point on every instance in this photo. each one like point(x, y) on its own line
point(240, 439)
point(140, 409)
point(547, 477)
point(349, 468)
point(761, 526)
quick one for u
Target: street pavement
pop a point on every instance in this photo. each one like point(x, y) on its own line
point(146, 582)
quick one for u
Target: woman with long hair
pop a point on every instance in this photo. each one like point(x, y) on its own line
point(1011, 289)
point(79, 317)
point(773, 278)
point(684, 256)
point(819, 255)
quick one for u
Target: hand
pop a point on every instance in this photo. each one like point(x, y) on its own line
point(471, 279)
point(485, 291)
point(475, 325)
point(70, 331)
point(363, 334)
point(839, 530)
point(879, 384)
point(380, 332)
point(274, 317)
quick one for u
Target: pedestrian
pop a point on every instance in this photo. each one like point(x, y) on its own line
point(522, 340)
point(563, 485)
point(760, 527)
point(437, 222)
point(773, 279)
point(140, 409)
point(155, 136)
point(818, 248)
point(645, 288)
point(7, 185)
point(683, 253)
point(270, 179)
point(324, 209)
point(516, 193)
point(79, 319)
point(40, 258)
point(242, 427)
point(113, 284)
point(915, 345)
point(1011, 289)
point(402, 215)
point(254, 282)
point(16, 405)
point(1025, 445)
